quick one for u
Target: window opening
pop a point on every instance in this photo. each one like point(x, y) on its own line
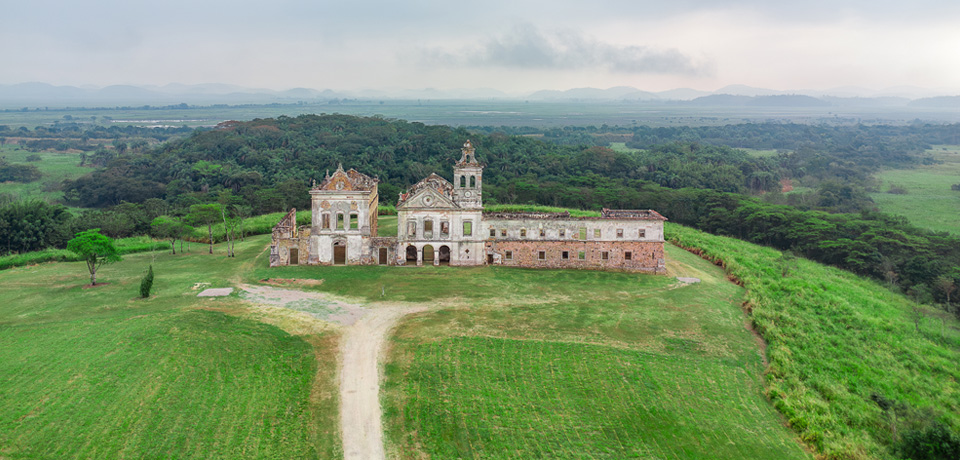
point(565, 255)
point(628, 255)
point(582, 255)
point(468, 228)
point(508, 255)
point(596, 233)
point(354, 222)
point(541, 255)
point(619, 233)
point(605, 255)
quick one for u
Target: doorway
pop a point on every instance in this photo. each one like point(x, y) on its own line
point(383, 256)
point(294, 256)
point(428, 255)
point(339, 253)
point(444, 255)
point(412, 254)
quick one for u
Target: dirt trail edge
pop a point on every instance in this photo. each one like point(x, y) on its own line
point(360, 349)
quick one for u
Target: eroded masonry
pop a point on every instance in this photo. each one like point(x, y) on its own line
point(443, 223)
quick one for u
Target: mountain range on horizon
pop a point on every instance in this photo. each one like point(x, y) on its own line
point(44, 94)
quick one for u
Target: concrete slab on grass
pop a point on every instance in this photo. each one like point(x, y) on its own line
point(688, 280)
point(215, 292)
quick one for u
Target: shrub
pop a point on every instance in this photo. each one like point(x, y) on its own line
point(955, 187)
point(934, 442)
point(146, 283)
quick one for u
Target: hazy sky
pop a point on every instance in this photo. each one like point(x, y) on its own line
point(513, 45)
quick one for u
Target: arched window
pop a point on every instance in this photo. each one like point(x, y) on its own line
point(473, 181)
point(463, 181)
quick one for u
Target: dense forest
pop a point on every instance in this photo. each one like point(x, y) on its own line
point(694, 176)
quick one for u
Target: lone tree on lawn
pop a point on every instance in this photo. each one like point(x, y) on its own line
point(95, 249)
point(205, 214)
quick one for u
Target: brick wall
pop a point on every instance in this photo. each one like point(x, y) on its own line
point(644, 255)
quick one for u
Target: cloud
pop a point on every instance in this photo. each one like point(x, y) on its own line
point(527, 48)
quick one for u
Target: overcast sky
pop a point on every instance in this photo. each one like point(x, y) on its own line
point(511, 45)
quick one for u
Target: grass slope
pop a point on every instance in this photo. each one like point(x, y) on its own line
point(578, 364)
point(834, 341)
point(929, 201)
point(98, 373)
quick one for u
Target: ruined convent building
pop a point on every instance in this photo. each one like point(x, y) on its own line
point(443, 223)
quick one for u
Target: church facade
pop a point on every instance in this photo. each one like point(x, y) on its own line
point(443, 223)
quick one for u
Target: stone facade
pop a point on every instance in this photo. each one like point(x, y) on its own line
point(443, 223)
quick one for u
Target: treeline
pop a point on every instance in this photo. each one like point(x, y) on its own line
point(84, 131)
point(269, 163)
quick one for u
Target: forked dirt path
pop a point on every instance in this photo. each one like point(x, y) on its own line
point(360, 414)
point(365, 331)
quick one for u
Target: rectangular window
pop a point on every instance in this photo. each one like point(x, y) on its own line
point(339, 221)
point(354, 222)
point(596, 233)
point(583, 233)
point(508, 255)
point(503, 232)
point(412, 229)
point(542, 255)
point(493, 232)
point(643, 233)
point(326, 221)
point(628, 255)
point(605, 255)
point(428, 229)
point(565, 255)
point(523, 233)
point(582, 255)
point(543, 233)
point(444, 229)
point(563, 233)
point(619, 233)
point(468, 228)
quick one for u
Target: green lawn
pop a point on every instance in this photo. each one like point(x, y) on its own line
point(55, 167)
point(929, 201)
point(581, 364)
point(98, 373)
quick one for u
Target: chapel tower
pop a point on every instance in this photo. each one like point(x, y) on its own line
point(467, 179)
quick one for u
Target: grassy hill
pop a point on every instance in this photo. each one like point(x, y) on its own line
point(576, 364)
point(98, 373)
point(507, 363)
point(853, 366)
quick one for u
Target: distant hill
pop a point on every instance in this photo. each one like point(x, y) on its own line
point(948, 102)
point(728, 100)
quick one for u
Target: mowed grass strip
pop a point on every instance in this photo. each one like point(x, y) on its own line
point(498, 398)
point(98, 373)
point(581, 364)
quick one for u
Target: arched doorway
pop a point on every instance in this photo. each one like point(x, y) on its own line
point(412, 254)
point(340, 253)
point(444, 255)
point(428, 255)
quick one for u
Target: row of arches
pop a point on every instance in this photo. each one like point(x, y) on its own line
point(440, 256)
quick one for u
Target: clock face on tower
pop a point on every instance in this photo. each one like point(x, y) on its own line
point(467, 194)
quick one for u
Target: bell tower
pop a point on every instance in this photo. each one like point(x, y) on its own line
point(467, 179)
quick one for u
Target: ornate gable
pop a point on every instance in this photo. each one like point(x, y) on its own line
point(434, 191)
point(351, 180)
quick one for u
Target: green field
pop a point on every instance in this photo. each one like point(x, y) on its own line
point(55, 167)
point(572, 364)
point(929, 201)
point(97, 373)
point(506, 363)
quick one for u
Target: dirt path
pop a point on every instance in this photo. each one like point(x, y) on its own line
point(360, 350)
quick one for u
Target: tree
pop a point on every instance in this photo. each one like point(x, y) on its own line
point(95, 249)
point(205, 214)
point(146, 283)
point(166, 227)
